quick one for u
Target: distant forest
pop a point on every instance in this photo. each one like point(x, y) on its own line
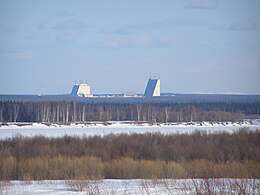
point(71, 111)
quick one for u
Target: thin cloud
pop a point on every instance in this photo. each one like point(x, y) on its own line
point(8, 30)
point(131, 29)
point(71, 25)
point(38, 36)
point(64, 13)
point(67, 37)
point(245, 26)
point(175, 23)
point(144, 41)
point(129, 42)
point(203, 4)
point(238, 26)
point(170, 23)
point(24, 55)
point(43, 25)
point(168, 40)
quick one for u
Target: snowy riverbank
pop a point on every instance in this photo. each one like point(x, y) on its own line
point(101, 128)
point(137, 186)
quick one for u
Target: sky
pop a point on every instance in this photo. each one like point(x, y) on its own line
point(193, 46)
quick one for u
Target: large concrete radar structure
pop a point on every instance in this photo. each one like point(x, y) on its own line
point(153, 88)
point(82, 90)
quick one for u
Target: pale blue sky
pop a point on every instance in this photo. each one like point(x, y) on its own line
point(208, 46)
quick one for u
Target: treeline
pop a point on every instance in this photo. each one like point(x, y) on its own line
point(150, 155)
point(65, 112)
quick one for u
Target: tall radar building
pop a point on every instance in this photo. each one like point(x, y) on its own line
point(153, 88)
point(82, 90)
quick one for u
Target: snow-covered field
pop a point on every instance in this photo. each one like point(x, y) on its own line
point(92, 129)
point(138, 186)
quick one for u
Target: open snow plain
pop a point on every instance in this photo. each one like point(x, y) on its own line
point(102, 129)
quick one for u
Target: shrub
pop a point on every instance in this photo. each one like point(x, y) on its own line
point(175, 171)
point(125, 168)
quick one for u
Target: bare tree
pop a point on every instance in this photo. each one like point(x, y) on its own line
point(167, 111)
point(138, 110)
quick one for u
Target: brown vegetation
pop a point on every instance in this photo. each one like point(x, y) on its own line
point(148, 156)
point(218, 147)
point(85, 168)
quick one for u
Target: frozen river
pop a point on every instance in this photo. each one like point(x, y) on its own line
point(99, 129)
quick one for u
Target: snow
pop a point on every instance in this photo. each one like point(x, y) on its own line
point(102, 129)
point(137, 186)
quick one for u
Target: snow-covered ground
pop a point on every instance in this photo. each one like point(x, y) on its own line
point(92, 129)
point(138, 186)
